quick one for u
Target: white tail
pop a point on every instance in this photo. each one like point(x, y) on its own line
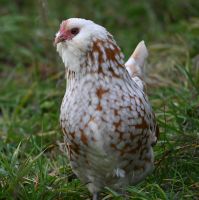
point(136, 61)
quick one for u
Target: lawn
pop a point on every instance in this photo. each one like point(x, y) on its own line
point(33, 163)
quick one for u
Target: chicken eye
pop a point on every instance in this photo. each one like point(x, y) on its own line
point(74, 31)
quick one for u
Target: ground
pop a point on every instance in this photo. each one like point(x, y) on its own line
point(33, 164)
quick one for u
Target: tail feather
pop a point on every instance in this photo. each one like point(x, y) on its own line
point(135, 63)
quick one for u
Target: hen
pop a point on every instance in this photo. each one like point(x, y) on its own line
point(108, 124)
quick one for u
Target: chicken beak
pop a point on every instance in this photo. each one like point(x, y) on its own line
point(59, 38)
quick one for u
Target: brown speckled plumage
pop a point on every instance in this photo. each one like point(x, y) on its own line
point(108, 124)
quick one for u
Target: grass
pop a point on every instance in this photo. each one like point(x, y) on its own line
point(33, 164)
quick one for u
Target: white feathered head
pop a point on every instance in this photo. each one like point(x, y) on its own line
point(74, 40)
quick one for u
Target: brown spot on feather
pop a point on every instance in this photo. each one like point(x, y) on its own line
point(100, 92)
point(84, 138)
point(99, 107)
point(117, 124)
point(143, 125)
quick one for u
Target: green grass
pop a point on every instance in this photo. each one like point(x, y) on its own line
point(33, 164)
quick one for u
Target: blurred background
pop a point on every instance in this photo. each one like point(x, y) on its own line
point(32, 86)
point(169, 28)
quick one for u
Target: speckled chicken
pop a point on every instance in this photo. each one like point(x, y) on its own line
point(108, 124)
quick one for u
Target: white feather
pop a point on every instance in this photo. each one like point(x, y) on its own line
point(73, 51)
point(136, 61)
